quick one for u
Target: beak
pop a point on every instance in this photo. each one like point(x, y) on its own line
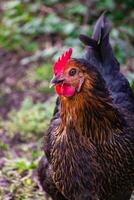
point(55, 80)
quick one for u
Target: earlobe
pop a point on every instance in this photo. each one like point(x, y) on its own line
point(80, 84)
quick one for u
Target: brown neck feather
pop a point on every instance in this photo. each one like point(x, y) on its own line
point(91, 115)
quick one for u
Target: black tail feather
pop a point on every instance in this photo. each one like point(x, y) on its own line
point(101, 47)
point(101, 29)
point(88, 41)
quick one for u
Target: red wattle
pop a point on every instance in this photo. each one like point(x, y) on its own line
point(65, 90)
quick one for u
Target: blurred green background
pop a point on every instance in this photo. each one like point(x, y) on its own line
point(32, 36)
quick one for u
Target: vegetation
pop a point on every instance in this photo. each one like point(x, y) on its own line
point(33, 33)
point(30, 118)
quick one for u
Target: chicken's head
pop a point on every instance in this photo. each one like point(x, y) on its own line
point(68, 76)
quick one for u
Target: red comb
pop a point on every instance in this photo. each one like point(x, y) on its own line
point(59, 65)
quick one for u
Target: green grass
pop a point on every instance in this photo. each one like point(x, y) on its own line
point(30, 118)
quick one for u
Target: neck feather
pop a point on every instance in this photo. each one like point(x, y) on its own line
point(91, 115)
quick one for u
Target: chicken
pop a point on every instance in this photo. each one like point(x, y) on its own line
point(89, 146)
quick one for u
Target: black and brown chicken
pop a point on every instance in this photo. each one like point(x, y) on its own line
point(89, 146)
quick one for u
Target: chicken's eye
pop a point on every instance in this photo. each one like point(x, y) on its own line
point(72, 72)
